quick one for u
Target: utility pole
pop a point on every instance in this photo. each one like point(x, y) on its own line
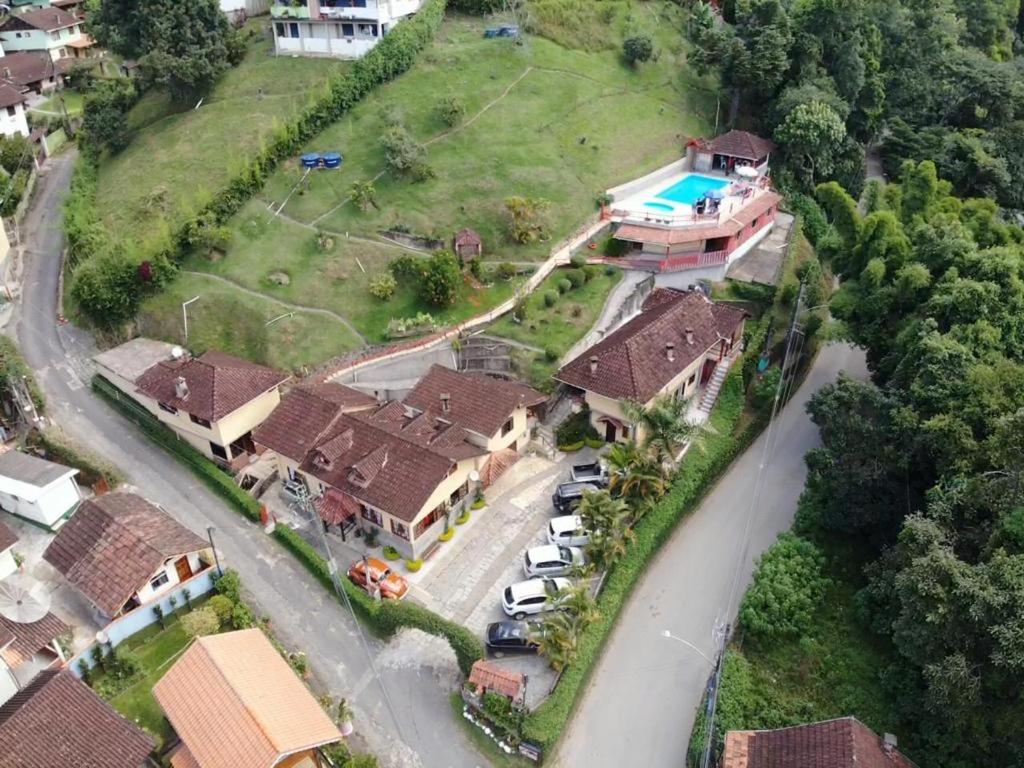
point(209, 533)
point(184, 315)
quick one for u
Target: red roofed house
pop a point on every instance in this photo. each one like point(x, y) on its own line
point(59, 33)
point(26, 649)
point(489, 677)
point(12, 111)
point(842, 743)
point(399, 467)
point(675, 345)
point(700, 213)
point(213, 401)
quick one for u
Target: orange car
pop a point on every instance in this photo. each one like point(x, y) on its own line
point(392, 585)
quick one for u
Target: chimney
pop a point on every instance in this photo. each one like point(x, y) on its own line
point(689, 336)
point(670, 351)
point(180, 388)
point(889, 743)
point(446, 402)
point(7, 72)
point(593, 365)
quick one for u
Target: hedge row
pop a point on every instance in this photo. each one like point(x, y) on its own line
point(219, 482)
point(13, 368)
point(696, 476)
point(387, 616)
point(58, 448)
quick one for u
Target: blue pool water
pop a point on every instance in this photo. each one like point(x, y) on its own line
point(691, 188)
point(660, 206)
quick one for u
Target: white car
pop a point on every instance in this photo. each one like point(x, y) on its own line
point(525, 598)
point(551, 560)
point(568, 530)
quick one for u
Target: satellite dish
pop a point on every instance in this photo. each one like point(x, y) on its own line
point(102, 637)
point(23, 600)
point(474, 476)
point(177, 352)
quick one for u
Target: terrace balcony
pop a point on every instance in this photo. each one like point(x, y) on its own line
point(289, 11)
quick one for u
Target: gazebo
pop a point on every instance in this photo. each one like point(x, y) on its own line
point(732, 149)
point(467, 244)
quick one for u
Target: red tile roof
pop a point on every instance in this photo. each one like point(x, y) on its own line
point(334, 507)
point(8, 538)
point(304, 416)
point(426, 429)
point(842, 743)
point(113, 544)
point(729, 225)
point(218, 383)
point(467, 237)
point(477, 402)
point(487, 675)
point(633, 363)
point(742, 144)
point(46, 19)
point(57, 722)
point(28, 639)
point(9, 96)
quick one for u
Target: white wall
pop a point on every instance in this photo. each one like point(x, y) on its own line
point(7, 564)
point(8, 685)
point(48, 508)
point(13, 122)
point(147, 593)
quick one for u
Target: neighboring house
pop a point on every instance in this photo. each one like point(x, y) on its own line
point(344, 29)
point(402, 468)
point(37, 490)
point(731, 149)
point(33, 70)
point(26, 650)
point(121, 552)
point(492, 677)
point(58, 722)
point(842, 743)
point(467, 244)
point(233, 702)
point(672, 347)
point(59, 33)
point(8, 539)
point(213, 401)
point(12, 111)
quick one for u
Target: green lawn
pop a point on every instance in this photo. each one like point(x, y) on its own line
point(179, 155)
point(72, 102)
point(227, 319)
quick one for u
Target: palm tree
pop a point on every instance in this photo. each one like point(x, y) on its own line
point(665, 427)
point(598, 508)
point(558, 639)
point(607, 545)
point(577, 602)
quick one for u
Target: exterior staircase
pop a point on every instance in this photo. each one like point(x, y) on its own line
point(714, 386)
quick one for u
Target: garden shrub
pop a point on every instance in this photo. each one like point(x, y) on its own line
point(463, 517)
point(202, 621)
point(563, 285)
point(637, 49)
point(609, 270)
point(763, 395)
point(498, 710)
point(550, 354)
point(571, 447)
point(613, 247)
point(13, 368)
point(413, 565)
point(229, 585)
point(590, 271)
point(403, 155)
point(241, 617)
point(594, 442)
point(578, 260)
point(450, 110)
point(390, 553)
point(383, 286)
point(550, 298)
point(788, 587)
point(447, 535)
point(223, 607)
point(576, 428)
point(58, 447)
point(506, 270)
point(575, 277)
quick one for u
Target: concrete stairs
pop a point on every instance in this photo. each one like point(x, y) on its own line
point(714, 386)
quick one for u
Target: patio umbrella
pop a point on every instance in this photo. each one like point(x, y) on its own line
point(747, 170)
point(23, 600)
point(714, 194)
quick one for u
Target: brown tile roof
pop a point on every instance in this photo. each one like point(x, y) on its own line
point(729, 226)
point(46, 19)
point(632, 361)
point(334, 507)
point(10, 95)
point(305, 414)
point(494, 677)
point(235, 702)
point(28, 639)
point(467, 237)
point(57, 722)
point(8, 538)
point(842, 743)
point(24, 67)
point(113, 544)
point(426, 429)
point(477, 402)
point(218, 383)
point(742, 144)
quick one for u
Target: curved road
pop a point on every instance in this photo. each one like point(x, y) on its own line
point(303, 615)
point(642, 699)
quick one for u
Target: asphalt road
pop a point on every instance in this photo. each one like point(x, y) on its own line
point(641, 703)
point(303, 615)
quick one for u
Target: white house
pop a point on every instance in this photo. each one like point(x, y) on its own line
point(51, 29)
point(12, 111)
point(37, 490)
point(343, 29)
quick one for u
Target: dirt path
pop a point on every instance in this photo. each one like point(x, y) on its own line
point(282, 302)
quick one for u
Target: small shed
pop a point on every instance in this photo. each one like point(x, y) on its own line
point(38, 490)
point(731, 149)
point(467, 244)
point(489, 677)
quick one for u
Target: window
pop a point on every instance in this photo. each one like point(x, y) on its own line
point(506, 427)
point(159, 580)
point(459, 492)
point(63, 53)
point(436, 514)
point(199, 420)
point(348, 30)
point(279, 28)
point(372, 515)
point(10, 111)
point(293, 29)
point(168, 408)
point(218, 451)
point(400, 529)
point(55, 36)
point(690, 380)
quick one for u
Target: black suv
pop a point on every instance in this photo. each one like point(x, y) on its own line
point(567, 496)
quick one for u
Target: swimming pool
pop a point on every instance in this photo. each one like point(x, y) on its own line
point(660, 206)
point(691, 188)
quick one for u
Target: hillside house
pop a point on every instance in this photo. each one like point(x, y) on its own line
point(343, 29)
point(122, 552)
point(58, 722)
point(401, 468)
point(237, 684)
point(213, 401)
point(12, 111)
point(28, 648)
point(37, 490)
point(673, 347)
point(57, 32)
point(33, 71)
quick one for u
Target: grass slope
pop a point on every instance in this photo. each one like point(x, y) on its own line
point(179, 155)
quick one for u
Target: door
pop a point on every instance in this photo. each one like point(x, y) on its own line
point(609, 432)
point(183, 568)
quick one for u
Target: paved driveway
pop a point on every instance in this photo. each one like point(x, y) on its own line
point(640, 705)
point(305, 616)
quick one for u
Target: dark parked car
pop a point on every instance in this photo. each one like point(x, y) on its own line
point(511, 637)
point(567, 496)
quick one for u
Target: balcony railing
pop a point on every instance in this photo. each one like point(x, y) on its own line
point(283, 11)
